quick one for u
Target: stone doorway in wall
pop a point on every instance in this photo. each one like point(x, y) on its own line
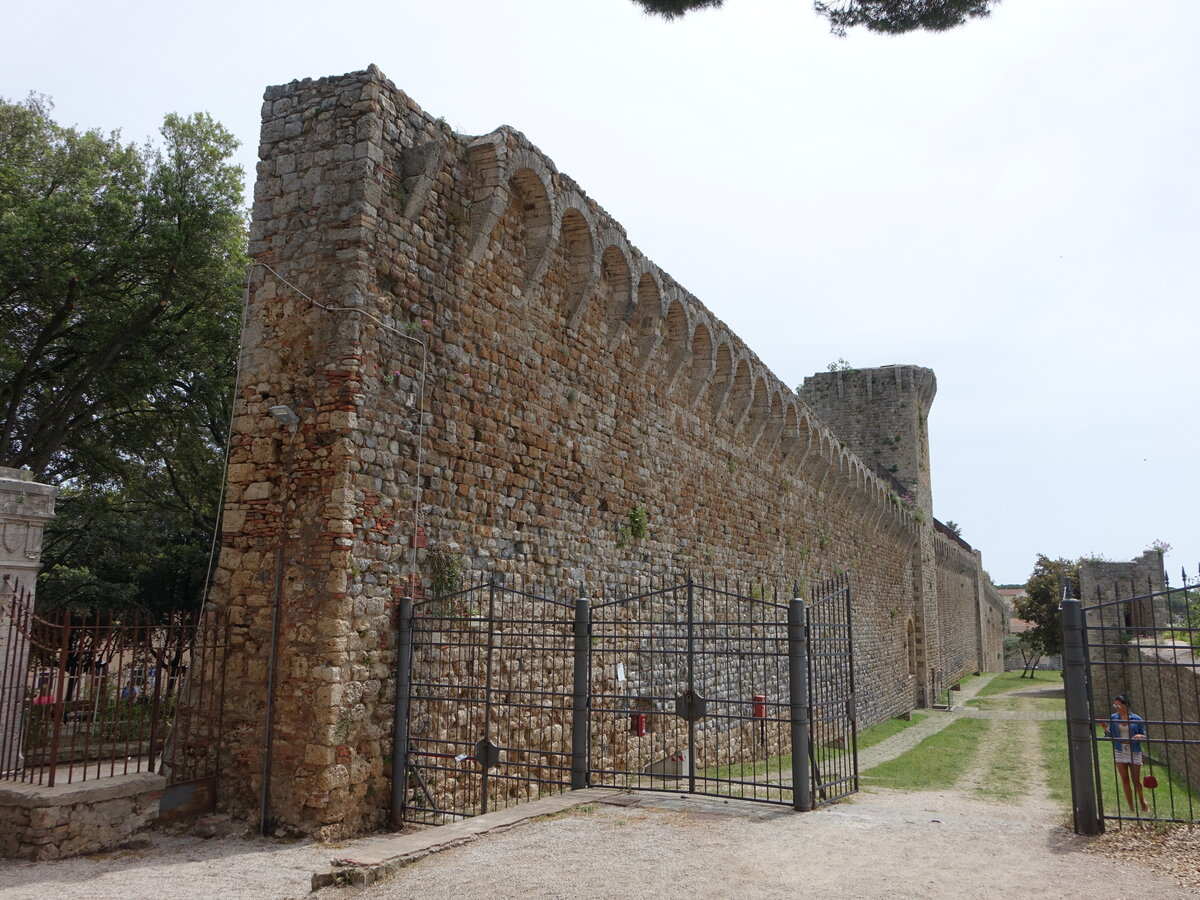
point(696, 687)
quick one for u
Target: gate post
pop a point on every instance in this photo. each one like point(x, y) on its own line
point(1080, 728)
point(798, 708)
point(404, 648)
point(579, 696)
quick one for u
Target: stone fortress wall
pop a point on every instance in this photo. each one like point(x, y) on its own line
point(483, 362)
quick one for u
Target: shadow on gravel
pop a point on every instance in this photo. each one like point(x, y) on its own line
point(165, 853)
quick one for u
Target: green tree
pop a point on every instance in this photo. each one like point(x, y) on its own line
point(883, 16)
point(1039, 605)
point(121, 272)
point(1028, 645)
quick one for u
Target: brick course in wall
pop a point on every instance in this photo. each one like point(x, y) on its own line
point(482, 361)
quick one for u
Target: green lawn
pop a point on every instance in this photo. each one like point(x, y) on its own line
point(1057, 769)
point(868, 737)
point(1172, 799)
point(1015, 704)
point(1012, 681)
point(938, 761)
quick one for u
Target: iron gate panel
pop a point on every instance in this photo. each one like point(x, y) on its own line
point(1144, 647)
point(833, 742)
point(689, 692)
point(490, 702)
point(692, 688)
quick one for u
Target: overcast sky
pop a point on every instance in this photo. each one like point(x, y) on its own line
point(1014, 204)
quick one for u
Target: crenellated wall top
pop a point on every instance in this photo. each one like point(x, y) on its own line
point(414, 157)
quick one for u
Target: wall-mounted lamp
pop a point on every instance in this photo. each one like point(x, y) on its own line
point(284, 415)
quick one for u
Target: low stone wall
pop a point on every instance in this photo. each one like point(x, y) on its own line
point(38, 822)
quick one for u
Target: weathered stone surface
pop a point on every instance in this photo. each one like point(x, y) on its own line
point(25, 508)
point(39, 822)
point(482, 361)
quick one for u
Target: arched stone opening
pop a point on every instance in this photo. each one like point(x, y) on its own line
point(616, 287)
point(702, 361)
point(578, 251)
point(531, 203)
point(774, 422)
point(760, 408)
point(722, 379)
point(649, 319)
point(675, 347)
point(741, 395)
point(789, 437)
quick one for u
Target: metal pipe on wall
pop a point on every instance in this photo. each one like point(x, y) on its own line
point(404, 648)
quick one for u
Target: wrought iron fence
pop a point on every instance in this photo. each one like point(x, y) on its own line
point(1144, 648)
point(87, 697)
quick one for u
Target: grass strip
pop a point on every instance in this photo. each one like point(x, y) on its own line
point(1012, 681)
point(937, 762)
point(1013, 703)
point(881, 731)
point(1008, 777)
point(868, 737)
point(1056, 766)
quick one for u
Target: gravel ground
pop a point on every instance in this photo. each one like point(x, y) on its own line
point(881, 843)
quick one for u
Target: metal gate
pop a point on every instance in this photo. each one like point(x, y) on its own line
point(690, 693)
point(1144, 648)
point(489, 703)
point(698, 688)
point(834, 729)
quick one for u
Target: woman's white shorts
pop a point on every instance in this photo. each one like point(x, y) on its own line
point(1127, 756)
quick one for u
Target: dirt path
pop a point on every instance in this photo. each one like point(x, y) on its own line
point(953, 842)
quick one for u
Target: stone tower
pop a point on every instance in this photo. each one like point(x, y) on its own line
point(882, 414)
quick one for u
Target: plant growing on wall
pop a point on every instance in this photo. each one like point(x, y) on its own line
point(445, 570)
point(639, 523)
point(636, 526)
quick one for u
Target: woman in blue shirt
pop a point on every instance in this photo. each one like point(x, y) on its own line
point(1127, 731)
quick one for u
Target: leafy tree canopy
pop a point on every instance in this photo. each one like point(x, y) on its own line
point(1039, 606)
point(883, 16)
point(121, 272)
